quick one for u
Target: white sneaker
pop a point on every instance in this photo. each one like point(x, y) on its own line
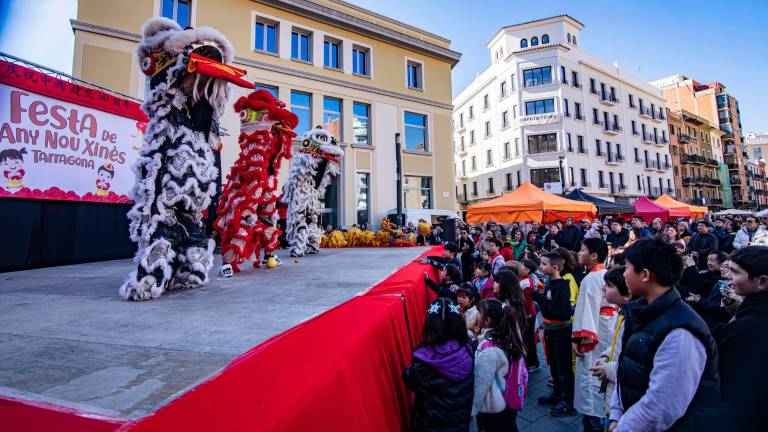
point(264, 260)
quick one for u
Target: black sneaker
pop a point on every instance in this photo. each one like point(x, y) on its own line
point(562, 409)
point(549, 400)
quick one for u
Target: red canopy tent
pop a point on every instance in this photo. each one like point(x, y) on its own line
point(648, 210)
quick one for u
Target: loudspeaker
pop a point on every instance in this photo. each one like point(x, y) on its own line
point(449, 230)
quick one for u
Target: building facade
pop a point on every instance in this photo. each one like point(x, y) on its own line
point(548, 112)
point(364, 76)
point(757, 145)
point(697, 158)
point(713, 103)
point(757, 184)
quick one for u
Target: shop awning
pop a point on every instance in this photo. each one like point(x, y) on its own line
point(528, 203)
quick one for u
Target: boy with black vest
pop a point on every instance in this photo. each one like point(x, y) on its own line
point(667, 378)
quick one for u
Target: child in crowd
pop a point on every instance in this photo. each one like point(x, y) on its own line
point(450, 278)
point(554, 301)
point(441, 372)
point(467, 298)
point(593, 323)
point(498, 349)
point(507, 290)
point(483, 281)
point(496, 260)
point(527, 284)
point(607, 366)
point(567, 273)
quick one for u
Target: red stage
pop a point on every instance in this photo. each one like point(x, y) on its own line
point(339, 371)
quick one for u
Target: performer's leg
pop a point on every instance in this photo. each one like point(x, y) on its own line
point(299, 234)
point(194, 255)
point(153, 273)
point(314, 235)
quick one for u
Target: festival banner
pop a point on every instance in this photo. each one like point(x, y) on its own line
point(63, 141)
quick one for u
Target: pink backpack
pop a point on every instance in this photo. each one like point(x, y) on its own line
point(517, 382)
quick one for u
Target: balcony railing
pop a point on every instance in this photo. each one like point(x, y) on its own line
point(670, 192)
point(597, 122)
point(649, 138)
point(576, 84)
point(594, 91)
point(644, 111)
point(612, 128)
point(578, 116)
point(651, 165)
point(663, 141)
point(586, 184)
point(654, 192)
point(713, 162)
point(461, 198)
point(608, 99)
point(661, 115)
point(536, 83)
point(490, 191)
point(614, 158)
point(683, 138)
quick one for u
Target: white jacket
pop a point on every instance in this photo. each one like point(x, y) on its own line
point(491, 368)
point(760, 238)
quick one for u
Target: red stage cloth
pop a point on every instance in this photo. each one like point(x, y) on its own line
point(25, 416)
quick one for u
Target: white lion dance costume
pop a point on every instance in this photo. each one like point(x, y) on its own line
point(247, 213)
point(175, 172)
point(312, 170)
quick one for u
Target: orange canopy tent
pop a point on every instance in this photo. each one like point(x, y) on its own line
point(673, 204)
point(528, 203)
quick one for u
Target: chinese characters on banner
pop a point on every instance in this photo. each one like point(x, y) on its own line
point(64, 141)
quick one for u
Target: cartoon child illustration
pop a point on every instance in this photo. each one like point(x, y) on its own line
point(105, 174)
point(12, 161)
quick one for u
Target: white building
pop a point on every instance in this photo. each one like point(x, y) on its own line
point(757, 145)
point(544, 99)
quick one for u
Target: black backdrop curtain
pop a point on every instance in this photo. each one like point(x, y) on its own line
point(44, 233)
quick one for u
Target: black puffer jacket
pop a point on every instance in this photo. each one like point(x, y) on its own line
point(571, 238)
point(443, 404)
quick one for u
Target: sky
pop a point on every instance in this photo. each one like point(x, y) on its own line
point(705, 40)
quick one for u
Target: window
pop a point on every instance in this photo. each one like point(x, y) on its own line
point(471, 137)
point(537, 76)
point(577, 108)
point(621, 180)
point(544, 143)
point(575, 79)
point(592, 86)
point(414, 71)
point(568, 142)
point(474, 188)
point(474, 163)
point(301, 105)
point(508, 181)
point(361, 127)
point(632, 101)
point(598, 148)
point(600, 179)
point(416, 132)
point(637, 155)
point(461, 120)
point(418, 192)
point(178, 10)
point(534, 41)
point(471, 112)
point(463, 168)
point(545, 39)
point(490, 186)
point(486, 103)
point(301, 46)
point(569, 37)
point(580, 144)
point(514, 111)
point(519, 178)
point(505, 119)
point(266, 37)
point(271, 89)
point(639, 184)
point(361, 62)
point(332, 121)
point(517, 147)
point(332, 54)
point(566, 109)
point(634, 127)
point(503, 88)
point(574, 39)
point(487, 129)
point(362, 182)
point(506, 150)
point(572, 177)
point(512, 81)
point(489, 157)
point(523, 43)
point(545, 175)
point(584, 182)
point(595, 116)
point(563, 77)
point(540, 106)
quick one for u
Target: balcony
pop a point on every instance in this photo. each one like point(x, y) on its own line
point(576, 84)
point(461, 198)
point(644, 112)
point(733, 166)
point(490, 192)
point(608, 99)
point(661, 116)
point(597, 122)
point(663, 166)
point(613, 159)
point(612, 128)
point(670, 192)
point(651, 165)
point(578, 116)
point(594, 91)
point(683, 138)
point(537, 83)
point(662, 141)
point(649, 138)
point(623, 189)
point(693, 159)
point(697, 201)
point(586, 184)
point(654, 192)
point(712, 162)
point(657, 116)
point(716, 201)
point(689, 181)
point(462, 176)
point(462, 151)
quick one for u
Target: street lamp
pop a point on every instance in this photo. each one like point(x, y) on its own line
point(399, 173)
point(562, 176)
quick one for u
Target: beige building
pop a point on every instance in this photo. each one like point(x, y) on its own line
point(757, 145)
point(362, 75)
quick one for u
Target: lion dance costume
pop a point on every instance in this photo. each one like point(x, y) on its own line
point(175, 172)
point(312, 170)
point(247, 214)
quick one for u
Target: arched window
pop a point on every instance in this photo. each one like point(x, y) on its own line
point(569, 38)
point(523, 43)
point(534, 41)
point(545, 39)
point(574, 39)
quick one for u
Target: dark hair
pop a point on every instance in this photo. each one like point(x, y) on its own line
point(615, 277)
point(484, 266)
point(106, 169)
point(497, 242)
point(444, 324)
point(658, 258)
point(555, 259)
point(511, 295)
point(502, 333)
point(597, 246)
point(619, 260)
point(468, 290)
point(451, 247)
point(721, 256)
point(452, 271)
point(569, 260)
point(752, 259)
point(13, 154)
point(531, 265)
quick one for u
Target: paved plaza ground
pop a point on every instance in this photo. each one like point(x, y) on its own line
point(534, 418)
point(66, 337)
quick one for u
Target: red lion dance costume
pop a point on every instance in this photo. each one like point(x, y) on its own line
point(247, 214)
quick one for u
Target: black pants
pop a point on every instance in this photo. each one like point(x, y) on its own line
point(592, 424)
point(529, 337)
point(505, 421)
point(558, 345)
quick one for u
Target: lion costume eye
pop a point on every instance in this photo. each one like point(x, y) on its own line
point(305, 143)
point(148, 65)
point(243, 115)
